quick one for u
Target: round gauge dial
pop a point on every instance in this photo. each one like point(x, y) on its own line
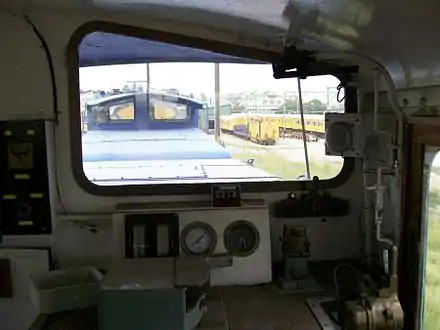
point(241, 238)
point(198, 238)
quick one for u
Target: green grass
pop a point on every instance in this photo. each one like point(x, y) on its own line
point(432, 290)
point(272, 162)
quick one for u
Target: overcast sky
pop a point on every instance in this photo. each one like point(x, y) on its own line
point(199, 78)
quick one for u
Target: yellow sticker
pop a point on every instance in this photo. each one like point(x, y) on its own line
point(9, 196)
point(20, 156)
point(26, 223)
point(22, 176)
point(7, 133)
point(36, 195)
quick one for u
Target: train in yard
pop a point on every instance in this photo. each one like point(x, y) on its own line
point(141, 138)
point(266, 128)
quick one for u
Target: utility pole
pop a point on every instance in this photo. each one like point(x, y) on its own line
point(217, 102)
point(148, 78)
point(284, 112)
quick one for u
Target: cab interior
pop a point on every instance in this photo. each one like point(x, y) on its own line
point(128, 207)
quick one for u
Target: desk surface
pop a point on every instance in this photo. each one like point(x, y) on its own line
point(229, 308)
point(160, 273)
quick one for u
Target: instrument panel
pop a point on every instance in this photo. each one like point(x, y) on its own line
point(199, 239)
point(241, 238)
point(208, 232)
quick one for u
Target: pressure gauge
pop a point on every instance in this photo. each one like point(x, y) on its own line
point(198, 238)
point(241, 238)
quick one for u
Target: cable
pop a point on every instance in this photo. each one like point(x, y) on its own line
point(301, 108)
point(339, 88)
point(45, 47)
point(50, 64)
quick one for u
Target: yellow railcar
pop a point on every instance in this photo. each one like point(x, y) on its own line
point(263, 129)
point(290, 126)
point(229, 123)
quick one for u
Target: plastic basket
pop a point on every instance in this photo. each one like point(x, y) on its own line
point(66, 289)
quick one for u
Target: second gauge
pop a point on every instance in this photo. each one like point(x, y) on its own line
point(198, 238)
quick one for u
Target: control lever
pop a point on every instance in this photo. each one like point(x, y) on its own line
point(311, 204)
point(220, 260)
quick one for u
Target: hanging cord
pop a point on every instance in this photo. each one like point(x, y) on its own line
point(45, 47)
point(338, 95)
point(303, 128)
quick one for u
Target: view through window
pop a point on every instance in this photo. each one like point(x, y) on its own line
point(154, 123)
point(431, 313)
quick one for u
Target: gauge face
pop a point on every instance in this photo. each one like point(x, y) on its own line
point(241, 238)
point(198, 238)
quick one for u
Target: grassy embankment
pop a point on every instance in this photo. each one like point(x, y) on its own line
point(272, 161)
point(432, 291)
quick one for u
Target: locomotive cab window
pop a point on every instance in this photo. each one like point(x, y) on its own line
point(152, 119)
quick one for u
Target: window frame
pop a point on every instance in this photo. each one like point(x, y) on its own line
point(152, 112)
point(107, 104)
point(175, 189)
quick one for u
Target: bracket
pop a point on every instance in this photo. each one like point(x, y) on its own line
point(311, 204)
point(298, 63)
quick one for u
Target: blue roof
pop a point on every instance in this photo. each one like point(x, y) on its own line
point(177, 144)
point(166, 96)
point(101, 48)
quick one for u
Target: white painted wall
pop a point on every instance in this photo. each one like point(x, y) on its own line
point(18, 312)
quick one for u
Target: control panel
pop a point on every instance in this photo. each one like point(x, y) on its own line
point(226, 195)
point(234, 239)
point(151, 235)
point(24, 183)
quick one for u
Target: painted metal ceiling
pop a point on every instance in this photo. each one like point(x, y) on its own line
point(105, 48)
point(400, 34)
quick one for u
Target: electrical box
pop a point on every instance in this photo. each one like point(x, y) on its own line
point(24, 182)
point(343, 135)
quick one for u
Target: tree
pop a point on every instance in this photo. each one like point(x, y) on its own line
point(237, 108)
point(126, 89)
point(291, 106)
point(235, 100)
point(314, 106)
point(203, 97)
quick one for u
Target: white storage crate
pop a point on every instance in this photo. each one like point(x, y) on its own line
point(66, 289)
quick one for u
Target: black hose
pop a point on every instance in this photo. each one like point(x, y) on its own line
point(50, 64)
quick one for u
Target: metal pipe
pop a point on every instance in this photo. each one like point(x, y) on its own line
point(378, 208)
point(367, 219)
point(217, 103)
point(401, 119)
point(301, 109)
point(376, 105)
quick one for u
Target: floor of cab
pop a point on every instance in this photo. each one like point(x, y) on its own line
point(264, 307)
